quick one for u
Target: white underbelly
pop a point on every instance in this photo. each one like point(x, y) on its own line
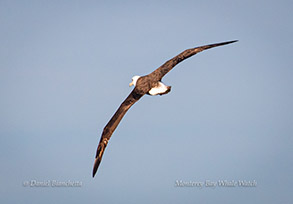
point(160, 89)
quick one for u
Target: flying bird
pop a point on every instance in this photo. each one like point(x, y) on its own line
point(150, 84)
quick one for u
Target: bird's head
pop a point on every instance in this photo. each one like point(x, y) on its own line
point(134, 80)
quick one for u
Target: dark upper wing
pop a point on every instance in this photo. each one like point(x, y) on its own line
point(165, 68)
point(112, 125)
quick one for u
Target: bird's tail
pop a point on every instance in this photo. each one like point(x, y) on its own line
point(100, 151)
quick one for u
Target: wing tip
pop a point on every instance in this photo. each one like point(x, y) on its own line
point(227, 42)
point(205, 47)
point(96, 166)
point(232, 41)
point(99, 154)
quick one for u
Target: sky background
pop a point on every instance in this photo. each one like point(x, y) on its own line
point(65, 68)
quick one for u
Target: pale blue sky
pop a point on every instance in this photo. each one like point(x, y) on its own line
point(65, 68)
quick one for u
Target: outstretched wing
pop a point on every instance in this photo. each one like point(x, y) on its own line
point(159, 73)
point(112, 125)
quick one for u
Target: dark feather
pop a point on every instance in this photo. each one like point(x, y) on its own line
point(159, 73)
point(112, 125)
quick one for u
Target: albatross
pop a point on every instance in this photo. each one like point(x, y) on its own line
point(150, 84)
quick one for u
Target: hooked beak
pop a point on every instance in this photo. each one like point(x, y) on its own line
point(130, 84)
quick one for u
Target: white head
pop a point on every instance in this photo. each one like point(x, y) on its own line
point(134, 80)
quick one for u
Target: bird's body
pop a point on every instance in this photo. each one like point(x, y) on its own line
point(157, 88)
point(149, 84)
